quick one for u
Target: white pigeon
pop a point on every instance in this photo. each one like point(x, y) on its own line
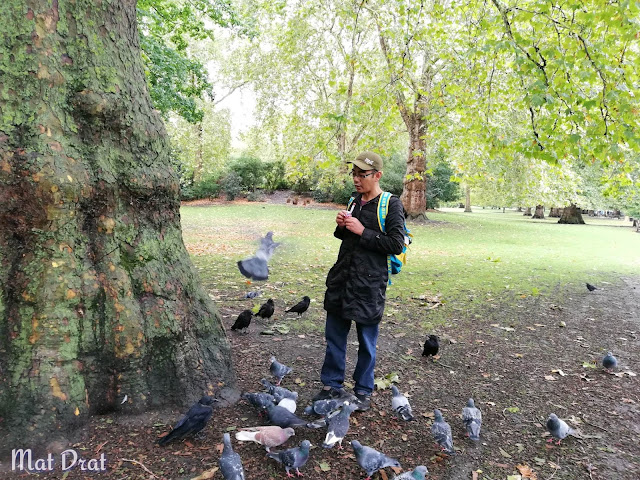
point(400, 405)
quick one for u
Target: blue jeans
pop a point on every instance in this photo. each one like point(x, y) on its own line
point(335, 357)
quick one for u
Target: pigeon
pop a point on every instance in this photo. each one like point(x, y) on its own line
point(441, 432)
point(338, 425)
point(590, 287)
point(293, 457)
point(282, 417)
point(371, 460)
point(431, 346)
point(472, 418)
point(256, 267)
point(288, 403)
point(268, 437)
point(259, 400)
point(417, 473)
point(278, 370)
point(266, 310)
point(230, 463)
point(276, 390)
point(301, 306)
point(251, 294)
point(400, 405)
point(324, 407)
point(243, 321)
point(193, 421)
point(558, 428)
point(609, 362)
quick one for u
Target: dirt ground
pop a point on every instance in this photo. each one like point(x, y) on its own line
point(519, 360)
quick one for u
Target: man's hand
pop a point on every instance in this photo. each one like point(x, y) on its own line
point(341, 217)
point(354, 225)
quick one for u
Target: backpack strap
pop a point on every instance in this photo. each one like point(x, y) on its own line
point(383, 209)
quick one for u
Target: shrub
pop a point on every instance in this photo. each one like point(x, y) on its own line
point(255, 196)
point(207, 187)
point(440, 188)
point(250, 172)
point(231, 185)
point(274, 176)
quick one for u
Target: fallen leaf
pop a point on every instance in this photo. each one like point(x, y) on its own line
point(512, 409)
point(206, 474)
point(559, 372)
point(550, 378)
point(514, 477)
point(526, 472)
point(504, 453)
point(324, 466)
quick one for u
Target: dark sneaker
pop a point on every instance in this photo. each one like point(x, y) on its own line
point(329, 393)
point(363, 402)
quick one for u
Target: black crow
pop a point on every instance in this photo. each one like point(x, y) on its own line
point(301, 306)
point(266, 310)
point(193, 421)
point(431, 346)
point(243, 321)
point(590, 287)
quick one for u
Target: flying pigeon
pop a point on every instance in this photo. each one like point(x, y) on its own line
point(256, 267)
point(301, 306)
point(431, 346)
point(441, 432)
point(243, 321)
point(558, 428)
point(230, 463)
point(591, 288)
point(269, 437)
point(338, 425)
point(293, 457)
point(371, 460)
point(259, 400)
point(193, 421)
point(417, 473)
point(472, 418)
point(400, 405)
point(276, 390)
point(282, 417)
point(609, 362)
point(278, 370)
point(266, 310)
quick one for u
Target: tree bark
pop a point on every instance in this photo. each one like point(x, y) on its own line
point(414, 198)
point(572, 215)
point(555, 212)
point(98, 297)
point(467, 199)
point(539, 213)
point(527, 212)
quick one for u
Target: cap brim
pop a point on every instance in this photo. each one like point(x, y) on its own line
point(362, 165)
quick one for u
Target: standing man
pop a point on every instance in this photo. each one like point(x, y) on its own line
point(357, 283)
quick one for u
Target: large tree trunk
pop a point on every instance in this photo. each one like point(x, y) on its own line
point(98, 297)
point(527, 212)
point(467, 199)
point(572, 215)
point(414, 196)
point(539, 213)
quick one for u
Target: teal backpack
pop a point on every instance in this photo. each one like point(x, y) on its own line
point(394, 262)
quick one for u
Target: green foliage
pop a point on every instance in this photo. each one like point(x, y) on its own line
point(208, 187)
point(250, 170)
point(231, 185)
point(255, 196)
point(395, 168)
point(274, 176)
point(440, 188)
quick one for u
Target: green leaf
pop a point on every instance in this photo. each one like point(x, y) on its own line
point(512, 409)
point(324, 466)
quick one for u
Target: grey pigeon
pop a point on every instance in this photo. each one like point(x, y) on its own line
point(324, 407)
point(269, 436)
point(193, 421)
point(282, 417)
point(472, 418)
point(301, 306)
point(276, 390)
point(230, 463)
point(441, 432)
point(338, 425)
point(417, 473)
point(251, 294)
point(372, 460)
point(293, 457)
point(609, 362)
point(400, 405)
point(259, 400)
point(278, 370)
point(558, 428)
point(266, 310)
point(243, 321)
point(256, 267)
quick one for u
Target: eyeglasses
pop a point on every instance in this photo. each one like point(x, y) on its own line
point(361, 176)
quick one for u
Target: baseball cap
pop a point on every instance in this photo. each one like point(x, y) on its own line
point(368, 161)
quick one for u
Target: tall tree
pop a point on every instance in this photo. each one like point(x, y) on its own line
point(98, 297)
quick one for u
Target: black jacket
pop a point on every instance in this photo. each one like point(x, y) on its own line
point(357, 283)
